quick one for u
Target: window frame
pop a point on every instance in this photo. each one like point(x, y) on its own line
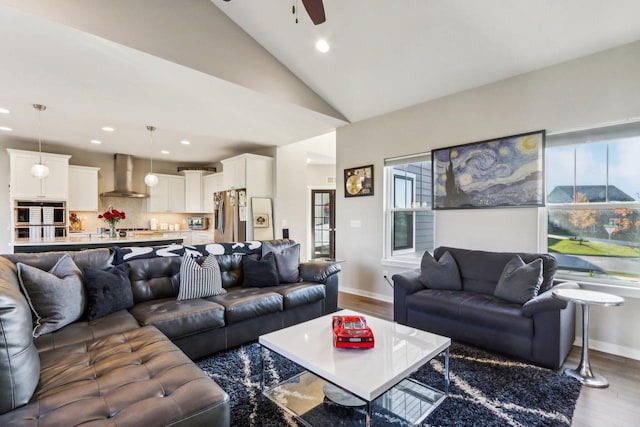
point(406, 177)
point(586, 136)
point(402, 257)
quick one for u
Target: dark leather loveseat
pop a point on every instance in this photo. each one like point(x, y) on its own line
point(541, 330)
point(133, 367)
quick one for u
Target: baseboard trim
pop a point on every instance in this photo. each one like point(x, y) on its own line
point(610, 348)
point(367, 294)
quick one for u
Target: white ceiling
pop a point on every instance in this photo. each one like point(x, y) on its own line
point(390, 54)
point(385, 55)
point(88, 82)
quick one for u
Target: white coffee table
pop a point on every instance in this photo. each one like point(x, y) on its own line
point(378, 376)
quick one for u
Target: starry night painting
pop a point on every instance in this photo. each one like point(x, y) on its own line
point(503, 172)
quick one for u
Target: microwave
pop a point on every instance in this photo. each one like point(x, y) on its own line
point(198, 223)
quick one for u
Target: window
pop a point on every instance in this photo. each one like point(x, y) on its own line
point(408, 216)
point(593, 202)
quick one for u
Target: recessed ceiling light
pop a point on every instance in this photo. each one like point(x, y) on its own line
point(95, 141)
point(165, 152)
point(107, 128)
point(185, 142)
point(322, 46)
point(6, 129)
point(4, 111)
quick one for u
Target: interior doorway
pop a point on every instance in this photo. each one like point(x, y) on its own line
point(323, 220)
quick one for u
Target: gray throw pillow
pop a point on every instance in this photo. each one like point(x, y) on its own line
point(441, 274)
point(200, 281)
point(287, 261)
point(519, 282)
point(57, 298)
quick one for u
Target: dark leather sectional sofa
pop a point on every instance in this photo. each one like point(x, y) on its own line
point(541, 330)
point(133, 367)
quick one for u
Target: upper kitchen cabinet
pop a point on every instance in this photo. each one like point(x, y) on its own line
point(167, 195)
point(192, 190)
point(83, 188)
point(249, 171)
point(199, 188)
point(211, 184)
point(54, 186)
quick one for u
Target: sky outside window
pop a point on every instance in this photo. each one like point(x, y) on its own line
point(591, 166)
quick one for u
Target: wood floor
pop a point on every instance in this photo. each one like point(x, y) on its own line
point(615, 406)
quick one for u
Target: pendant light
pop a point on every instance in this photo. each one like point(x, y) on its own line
point(150, 179)
point(39, 170)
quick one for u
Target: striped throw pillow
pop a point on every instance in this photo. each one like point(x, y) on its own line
point(200, 281)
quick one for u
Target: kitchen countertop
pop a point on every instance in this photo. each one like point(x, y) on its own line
point(91, 238)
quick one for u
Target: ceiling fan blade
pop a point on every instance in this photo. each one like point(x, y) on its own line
point(315, 9)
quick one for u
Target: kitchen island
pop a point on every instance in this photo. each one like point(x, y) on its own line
point(90, 241)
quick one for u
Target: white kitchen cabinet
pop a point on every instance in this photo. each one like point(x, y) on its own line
point(248, 170)
point(211, 184)
point(235, 170)
point(83, 188)
point(176, 194)
point(54, 186)
point(253, 173)
point(202, 237)
point(167, 195)
point(194, 189)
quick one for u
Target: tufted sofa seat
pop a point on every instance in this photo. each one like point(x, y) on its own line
point(133, 378)
point(134, 367)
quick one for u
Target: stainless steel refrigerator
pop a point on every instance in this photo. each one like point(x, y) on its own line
point(230, 217)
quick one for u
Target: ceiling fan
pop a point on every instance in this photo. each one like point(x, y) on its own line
point(314, 8)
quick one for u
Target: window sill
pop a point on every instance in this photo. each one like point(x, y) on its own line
point(402, 262)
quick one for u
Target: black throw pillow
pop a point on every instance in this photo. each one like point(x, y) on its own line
point(108, 291)
point(519, 282)
point(287, 261)
point(441, 274)
point(260, 273)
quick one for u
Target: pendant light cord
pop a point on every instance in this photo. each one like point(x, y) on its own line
point(151, 129)
point(39, 107)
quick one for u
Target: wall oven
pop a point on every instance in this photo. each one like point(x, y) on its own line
point(36, 220)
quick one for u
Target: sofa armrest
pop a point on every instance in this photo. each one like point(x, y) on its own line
point(546, 302)
point(318, 271)
point(404, 284)
point(323, 272)
point(408, 281)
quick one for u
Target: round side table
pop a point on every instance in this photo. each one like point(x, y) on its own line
point(586, 298)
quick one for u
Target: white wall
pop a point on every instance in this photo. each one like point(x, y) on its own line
point(293, 179)
point(588, 91)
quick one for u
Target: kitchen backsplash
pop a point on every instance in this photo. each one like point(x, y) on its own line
point(136, 213)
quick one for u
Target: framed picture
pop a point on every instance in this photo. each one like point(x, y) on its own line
point(358, 181)
point(261, 220)
point(502, 172)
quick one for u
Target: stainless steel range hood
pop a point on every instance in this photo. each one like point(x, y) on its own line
point(124, 178)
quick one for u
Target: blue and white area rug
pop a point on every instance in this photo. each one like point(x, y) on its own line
point(486, 389)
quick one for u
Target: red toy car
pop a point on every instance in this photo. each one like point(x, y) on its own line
point(351, 332)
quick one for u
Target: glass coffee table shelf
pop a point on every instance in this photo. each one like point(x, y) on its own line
point(304, 396)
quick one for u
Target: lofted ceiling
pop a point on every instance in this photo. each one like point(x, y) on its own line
point(388, 54)
point(88, 81)
point(238, 76)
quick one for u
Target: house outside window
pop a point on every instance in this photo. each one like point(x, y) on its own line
point(593, 203)
point(409, 220)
